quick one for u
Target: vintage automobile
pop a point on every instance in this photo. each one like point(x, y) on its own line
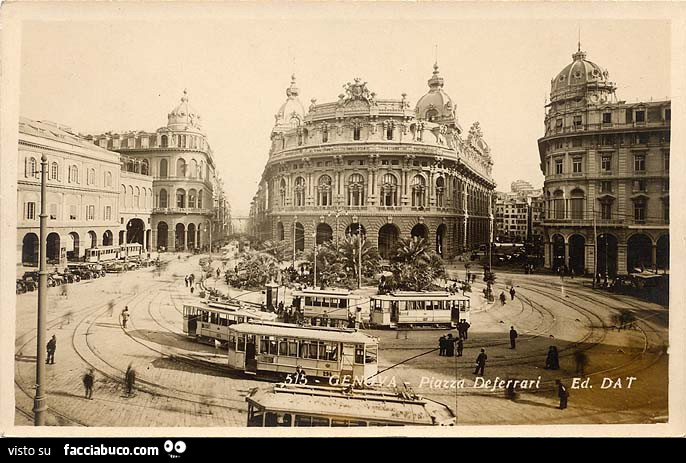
point(33, 277)
point(21, 286)
point(82, 271)
point(114, 267)
point(70, 277)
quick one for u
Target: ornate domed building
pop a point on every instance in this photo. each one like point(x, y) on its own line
point(180, 160)
point(606, 167)
point(363, 161)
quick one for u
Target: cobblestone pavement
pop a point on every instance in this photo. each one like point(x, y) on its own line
point(178, 386)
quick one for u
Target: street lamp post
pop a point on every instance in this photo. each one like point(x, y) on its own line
point(40, 405)
point(338, 213)
point(359, 267)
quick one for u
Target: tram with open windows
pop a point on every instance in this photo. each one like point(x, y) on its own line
point(288, 405)
point(330, 307)
point(279, 348)
point(113, 253)
point(207, 323)
point(411, 308)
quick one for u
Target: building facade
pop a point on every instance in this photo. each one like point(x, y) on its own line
point(180, 161)
point(87, 198)
point(377, 164)
point(518, 214)
point(606, 167)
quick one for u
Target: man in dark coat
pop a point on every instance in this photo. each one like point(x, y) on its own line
point(450, 346)
point(481, 363)
point(460, 347)
point(130, 379)
point(513, 337)
point(88, 380)
point(562, 394)
point(512, 293)
point(465, 328)
point(51, 348)
point(441, 346)
point(502, 298)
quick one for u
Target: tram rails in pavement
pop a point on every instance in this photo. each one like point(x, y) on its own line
point(288, 405)
point(409, 309)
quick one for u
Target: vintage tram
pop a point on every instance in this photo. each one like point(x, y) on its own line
point(207, 323)
point(279, 348)
point(287, 405)
point(330, 307)
point(114, 253)
point(411, 309)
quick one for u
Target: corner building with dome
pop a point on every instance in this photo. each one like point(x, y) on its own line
point(606, 167)
point(180, 161)
point(379, 164)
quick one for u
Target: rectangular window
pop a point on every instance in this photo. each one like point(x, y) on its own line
point(640, 163)
point(642, 138)
point(53, 212)
point(108, 212)
point(639, 185)
point(606, 211)
point(639, 212)
point(577, 142)
point(577, 121)
point(72, 212)
point(606, 163)
point(30, 211)
point(558, 123)
point(607, 118)
point(90, 212)
point(576, 164)
point(558, 166)
point(606, 187)
point(640, 116)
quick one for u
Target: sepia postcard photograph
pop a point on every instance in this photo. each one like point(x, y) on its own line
point(416, 218)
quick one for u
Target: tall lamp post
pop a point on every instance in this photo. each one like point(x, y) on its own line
point(40, 405)
point(337, 214)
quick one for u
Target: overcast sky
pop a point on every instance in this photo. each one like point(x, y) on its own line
point(122, 75)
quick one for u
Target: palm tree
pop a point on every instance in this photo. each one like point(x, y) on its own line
point(349, 250)
point(411, 250)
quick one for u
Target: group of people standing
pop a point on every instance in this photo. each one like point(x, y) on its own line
point(190, 281)
point(448, 344)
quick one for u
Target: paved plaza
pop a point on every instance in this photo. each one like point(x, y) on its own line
point(184, 383)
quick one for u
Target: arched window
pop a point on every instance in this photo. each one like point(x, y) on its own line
point(356, 133)
point(356, 190)
point(191, 199)
point(418, 191)
point(559, 204)
point(163, 199)
point(389, 131)
point(299, 192)
point(163, 168)
point(200, 199)
point(54, 171)
point(389, 190)
point(324, 191)
point(91, 176)
point(165, 141)
point(129, 197)
point(181, 198)
point(440, 187)
point(137, 197)
point(325, 134)
point(431, 114)
point(180, 167)
point(193, 169)
point(282, 193)
point(577, 204)
point(73, 174)
point(123, 197)
point(145, 168)
point(200, 171)
point(108, 179)
point(31, 168)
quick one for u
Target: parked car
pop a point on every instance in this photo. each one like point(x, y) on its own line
point(114, 267)
point(70, 276)
point(83, 272)
point(33, 276)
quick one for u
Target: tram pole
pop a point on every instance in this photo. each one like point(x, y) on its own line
point(359, 267)
point(595, 248)
point(40, 405)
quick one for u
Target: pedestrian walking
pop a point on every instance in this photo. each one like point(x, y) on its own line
point(450, 346)
point(481, 363)
point(562, 394)
point(581, 360)
point(502, 298)
point(460, 347)
point(125, 316)
point(512, 293)
point(218, 273)
point(130, 379)
point(466, 326)
point(88, 381)
point(186, 280)
point(513, 337)
point(51, 348)
point(441, 346)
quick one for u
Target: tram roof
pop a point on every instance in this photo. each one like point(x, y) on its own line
point(422, 296)
point(235, 311)
point(325, 292)
point(301, 332)
point(367, 404)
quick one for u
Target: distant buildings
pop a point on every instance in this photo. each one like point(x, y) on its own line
point(606, 167)
point(518, 214)
point(363, 162)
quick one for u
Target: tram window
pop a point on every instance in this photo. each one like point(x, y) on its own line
point(224, 320)
point(205, 317)
point(402, 305)
point(359, 354)
point(314, 348)
point(283, 347)
point(303, 421)
point(331, 352)
point(213, 318)
point(371, 352)
point(308, 300)
point(317, 421)
point(241, 343)
point(292, 348)
point(431, 305)
point(344, 304)
point(232, 341)
point(270, 420)
point(333, 302)
point(339, 423)
point(357, 423)
point(323, 350)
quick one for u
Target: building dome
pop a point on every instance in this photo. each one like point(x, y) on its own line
point(577, 77)
point(292, 112)
point(184, 116)
point(436, 105)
